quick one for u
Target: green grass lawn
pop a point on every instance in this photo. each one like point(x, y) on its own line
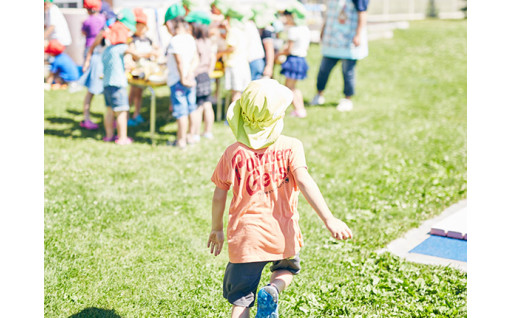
point(126, 227)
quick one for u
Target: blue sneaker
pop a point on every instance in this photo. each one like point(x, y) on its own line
point(132, 122)
point(267, 302)
point(139, 119)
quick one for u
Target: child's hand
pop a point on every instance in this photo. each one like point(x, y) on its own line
point(85, 66)
point(215, 242)
point(339, 230)
point(188, 82)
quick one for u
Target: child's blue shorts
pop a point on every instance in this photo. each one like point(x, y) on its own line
point(183, 100)
point(117, 98)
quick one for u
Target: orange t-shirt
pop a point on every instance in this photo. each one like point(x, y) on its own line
point(263, 218)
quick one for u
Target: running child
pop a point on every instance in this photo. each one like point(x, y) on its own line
point(266, 171)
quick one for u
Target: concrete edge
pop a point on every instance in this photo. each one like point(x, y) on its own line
point(414, 237)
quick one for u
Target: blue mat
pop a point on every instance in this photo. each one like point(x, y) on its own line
point(444, 247)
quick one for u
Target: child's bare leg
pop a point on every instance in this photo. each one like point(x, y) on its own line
point(240, 312)
point(137, 100)
point(195, 121)
point(131, 94)
point(87, 105)
point(298, 101)
point(181, 135)
point(122, 124)
point(281, 279)
point(109, 123)
point(200, 111)
point(209, 117)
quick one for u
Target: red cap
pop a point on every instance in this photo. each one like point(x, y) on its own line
point(93, 5)
point(54, 47)
point(117, 33)
point(140, 16)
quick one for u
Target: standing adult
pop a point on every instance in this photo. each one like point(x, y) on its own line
point(55, 25)
point(344, 38)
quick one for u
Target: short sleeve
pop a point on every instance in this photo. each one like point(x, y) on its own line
point(85, 26)
point(361, 5)
point(266, 34)
point(54, 68)
point(222, 173)
point(170, 48)
point(297, 157)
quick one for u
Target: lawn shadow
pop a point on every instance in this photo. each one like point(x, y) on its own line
point(78, 113)
point(74, 131)
point(93, 312)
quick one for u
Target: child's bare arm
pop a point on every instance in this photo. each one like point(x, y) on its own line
point(287, 48)
point(268, 44)
point(184, 78)
point(339, 230)
point(131, 50)
point(97, 41)
point(216, 239)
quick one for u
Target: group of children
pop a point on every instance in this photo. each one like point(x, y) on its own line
point(244, 42)
point(265, 169)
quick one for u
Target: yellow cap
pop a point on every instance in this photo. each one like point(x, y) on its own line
point(257, 118)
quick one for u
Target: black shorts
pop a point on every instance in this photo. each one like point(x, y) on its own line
point(241, 280)
point(203, 85)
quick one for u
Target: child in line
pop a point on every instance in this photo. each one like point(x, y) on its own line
point(146, 50)
point(263, 16)
point(237, 73)
point(256, 52)
point(114, 78)
point(200, 22)
point(63, 70)
point(295, 67)
point(91, 77)
point(266, 171)
point(182, 60)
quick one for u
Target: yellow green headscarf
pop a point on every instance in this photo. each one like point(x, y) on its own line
point(257, 118)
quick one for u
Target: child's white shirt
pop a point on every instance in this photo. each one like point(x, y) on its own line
point(185, 46)
point(300, 35)
point(255, 50)
point(237, 39)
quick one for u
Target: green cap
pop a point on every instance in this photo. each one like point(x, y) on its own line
point(257, 117)
point(299, 12)
point(199, 16)
point(176, 10)
point(126, 17)
point(48, 0)
point(222, 5)
point(192, 5)
point(238, 12)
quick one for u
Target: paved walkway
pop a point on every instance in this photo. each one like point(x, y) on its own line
point(414, 237)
